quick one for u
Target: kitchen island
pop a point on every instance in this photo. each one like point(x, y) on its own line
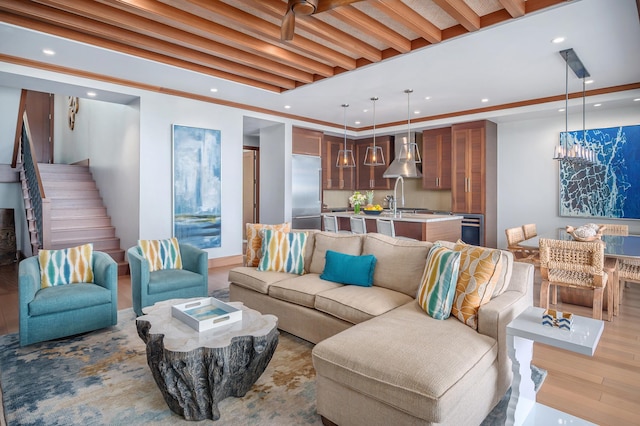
point(424, 227)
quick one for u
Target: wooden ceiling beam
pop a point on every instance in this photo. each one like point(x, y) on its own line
point(516, 8)
point(103, 32)
point(411, 19)
point(126, 49)
point(371, 27)
point(196, 33)
point(356, 47)
point(461, 12)
point(219, 11)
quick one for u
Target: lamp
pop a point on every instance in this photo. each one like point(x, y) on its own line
point(409, 150)
point(575, 153)
point(404, 165)
point(374, 155)
point(345, 156)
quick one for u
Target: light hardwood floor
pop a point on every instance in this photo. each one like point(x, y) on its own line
point(604, 389)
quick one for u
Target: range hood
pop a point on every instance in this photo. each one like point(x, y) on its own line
point(401, 166)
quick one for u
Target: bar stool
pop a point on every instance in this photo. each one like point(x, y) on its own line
point(358, 225)
point(331, 224)
point(387, 227)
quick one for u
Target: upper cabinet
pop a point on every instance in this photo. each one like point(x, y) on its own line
point(370, 177)
point(334, 177)
point(436, 158)
point(306, 141)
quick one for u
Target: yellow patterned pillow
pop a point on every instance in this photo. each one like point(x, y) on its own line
point(254, 240)
point(478, 275)
point(283, 251)
point(66, 266)
point(161, 254)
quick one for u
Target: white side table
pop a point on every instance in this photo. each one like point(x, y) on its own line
point(525, 329)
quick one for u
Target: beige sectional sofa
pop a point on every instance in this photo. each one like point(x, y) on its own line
point(379, 358)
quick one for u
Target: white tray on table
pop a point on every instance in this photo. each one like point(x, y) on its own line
point(205, 314)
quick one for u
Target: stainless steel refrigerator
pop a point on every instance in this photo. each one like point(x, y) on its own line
point(306, 188)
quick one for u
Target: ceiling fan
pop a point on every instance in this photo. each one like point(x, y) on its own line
point(306, 8)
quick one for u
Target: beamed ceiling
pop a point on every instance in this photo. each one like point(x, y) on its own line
point(239, 40)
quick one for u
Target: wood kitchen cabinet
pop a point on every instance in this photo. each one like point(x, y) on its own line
point(474, 172)
point(370, 177)
point(436, 158)
point(306, 141)
point(336, 177)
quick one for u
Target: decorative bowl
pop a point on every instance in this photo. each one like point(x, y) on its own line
point(571, 231)
point(372, 212)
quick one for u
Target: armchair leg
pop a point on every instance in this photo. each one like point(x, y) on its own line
point(597, 303)
point(554, 294)
point(611, 305)
point(544, 294)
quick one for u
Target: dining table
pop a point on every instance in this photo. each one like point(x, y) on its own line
point(617, 247)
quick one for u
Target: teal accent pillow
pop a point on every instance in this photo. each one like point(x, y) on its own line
point(348, 269)
point(438, 285)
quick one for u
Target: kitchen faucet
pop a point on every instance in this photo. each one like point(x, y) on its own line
point(395, 196)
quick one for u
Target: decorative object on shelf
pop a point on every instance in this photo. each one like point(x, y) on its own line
point(374, 155)
point(74, 107)
point(345, 156)
point(588, 232)
point(357, 200)
point(404, 165)
point(575, 152)
point(553, 318)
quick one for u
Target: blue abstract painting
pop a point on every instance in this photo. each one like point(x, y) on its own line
point(610, 188)
point(196, 186)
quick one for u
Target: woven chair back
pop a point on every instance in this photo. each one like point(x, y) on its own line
point(615, 229)
point(572, 263)
point(529, 230)
point(514, 236)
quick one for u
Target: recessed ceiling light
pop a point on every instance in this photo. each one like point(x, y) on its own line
point(557, 40)
point(356, 122)
point(561, 110)
point(287, 107)
point(213, 89)
point(48, 52)
point(416, 111)
point(485, 100)
point(92, 94)
point(597, 105)
point(588, 82)
point(636, 100)
point(365, 110)
point(427, 98)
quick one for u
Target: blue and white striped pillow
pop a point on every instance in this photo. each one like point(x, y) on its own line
point(438, 285)
point(283, 251)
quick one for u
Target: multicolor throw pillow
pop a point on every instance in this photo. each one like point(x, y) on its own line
point(66, 266)
point(254, 240)
point(161, 254)
point(283, 251)
point(479, 272)
point(438, 284)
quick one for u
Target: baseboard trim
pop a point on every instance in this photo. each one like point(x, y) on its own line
point(225, 261)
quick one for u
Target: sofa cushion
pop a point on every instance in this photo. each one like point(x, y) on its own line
point(172, 279)
point(344, 243)
point(301, 290)
point(161, 254)
point(438, 286)
point(254, 240)
point(66, 266)
point(251, 278)
point(66, 298)
point(479, 272)
point(400, 263)
point(356, 304)
point(283, 251)
point(424, 369)
point(348, 269)
point(505, 272)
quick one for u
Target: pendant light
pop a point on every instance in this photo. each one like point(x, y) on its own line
point(409, 150)
point(404, 165)
point(374, 155)
point(345, 156)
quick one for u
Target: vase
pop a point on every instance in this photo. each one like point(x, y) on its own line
point(356, 208)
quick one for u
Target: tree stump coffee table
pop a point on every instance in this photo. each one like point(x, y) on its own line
point(196, 370)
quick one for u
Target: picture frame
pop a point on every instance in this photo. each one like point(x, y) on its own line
point(197, 188)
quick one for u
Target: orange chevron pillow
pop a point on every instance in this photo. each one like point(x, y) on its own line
point(254, 240)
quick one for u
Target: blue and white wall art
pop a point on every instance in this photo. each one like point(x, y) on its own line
point(196, 186)
point(611, 187)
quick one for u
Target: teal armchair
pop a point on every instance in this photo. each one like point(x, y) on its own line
point(66, 310)
point(148, 288)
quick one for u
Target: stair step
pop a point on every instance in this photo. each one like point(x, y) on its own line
point(74, 185)
point(70, 213)
point(57, 177)
point(100, 244)
point(83, 233)
point(71, 222)
point(63, 168)
point(67, 194)
point(117, 255)
point(75, 203)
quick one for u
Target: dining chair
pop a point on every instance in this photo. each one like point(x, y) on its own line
point(331, 224)
point(529, 230)
point(358, 225)
point(578, 265)
point(629, 271)
point(514, 237)
point(612, 265)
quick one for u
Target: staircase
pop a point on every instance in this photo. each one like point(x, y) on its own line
point(78, 215)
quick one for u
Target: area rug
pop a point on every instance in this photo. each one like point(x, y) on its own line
point(102, 378)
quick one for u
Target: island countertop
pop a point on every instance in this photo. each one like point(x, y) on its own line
point(424, 227)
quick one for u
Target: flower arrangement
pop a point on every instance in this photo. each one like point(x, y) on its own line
point(357, 199)
point(369, 197)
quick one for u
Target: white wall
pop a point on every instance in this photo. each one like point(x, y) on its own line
point(528, 189)
point(275, 176)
